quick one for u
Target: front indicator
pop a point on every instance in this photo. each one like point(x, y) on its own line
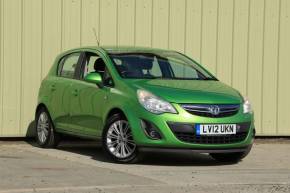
point(247, 107)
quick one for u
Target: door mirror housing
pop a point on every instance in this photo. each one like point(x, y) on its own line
point(95, 78)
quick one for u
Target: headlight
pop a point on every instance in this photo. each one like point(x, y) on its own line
point(247, 106)
point(154, 104)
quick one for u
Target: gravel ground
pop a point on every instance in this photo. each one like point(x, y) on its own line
point(78, 167)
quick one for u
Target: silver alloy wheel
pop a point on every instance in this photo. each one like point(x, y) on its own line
point(119, 139)
point(42, 127)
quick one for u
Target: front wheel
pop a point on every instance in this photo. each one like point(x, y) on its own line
point(118, 141)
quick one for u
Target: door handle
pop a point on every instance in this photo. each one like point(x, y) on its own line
point(75, 92)
point(52, 87)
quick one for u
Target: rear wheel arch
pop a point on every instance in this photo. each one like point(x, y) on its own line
point(52, 137)
point(43, 106)
point(40, 106)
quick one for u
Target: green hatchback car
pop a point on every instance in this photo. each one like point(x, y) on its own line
point(137, 100)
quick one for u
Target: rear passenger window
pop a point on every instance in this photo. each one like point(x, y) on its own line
point(68, 65)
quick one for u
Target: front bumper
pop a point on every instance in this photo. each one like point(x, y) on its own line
point(174, 150)
point(171, 141)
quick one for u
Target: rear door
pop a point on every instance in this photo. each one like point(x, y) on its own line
point(61, 89)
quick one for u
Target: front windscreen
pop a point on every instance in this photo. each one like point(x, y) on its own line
point(160, 65)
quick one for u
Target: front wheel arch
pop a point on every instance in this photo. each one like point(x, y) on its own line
point(134, 157)
point(123, 112)
point(114, 111)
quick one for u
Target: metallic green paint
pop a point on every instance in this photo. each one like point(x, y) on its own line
point(81, 108)
point(189, 91)
point(94, 78)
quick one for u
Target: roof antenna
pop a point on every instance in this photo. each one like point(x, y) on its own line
point(97, 39)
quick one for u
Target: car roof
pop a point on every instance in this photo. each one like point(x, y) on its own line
point(120, 49)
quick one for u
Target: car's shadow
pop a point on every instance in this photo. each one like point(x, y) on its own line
point(94, 150)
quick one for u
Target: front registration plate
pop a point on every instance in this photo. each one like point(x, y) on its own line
point(216, 129)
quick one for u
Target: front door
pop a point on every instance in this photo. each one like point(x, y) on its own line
point(89, 99)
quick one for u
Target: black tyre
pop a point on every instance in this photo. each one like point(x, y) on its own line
point(46, 136)
point(230, 157)
point(118, 142)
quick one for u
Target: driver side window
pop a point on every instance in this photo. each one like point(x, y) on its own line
point(155, 70)
point(89, 64)
point(95, 64)
point(182, 70)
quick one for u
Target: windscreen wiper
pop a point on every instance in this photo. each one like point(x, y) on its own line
point(210, 78)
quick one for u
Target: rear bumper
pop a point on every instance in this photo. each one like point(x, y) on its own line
point(174, 150)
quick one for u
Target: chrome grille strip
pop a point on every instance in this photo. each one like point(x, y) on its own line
point(205, 109)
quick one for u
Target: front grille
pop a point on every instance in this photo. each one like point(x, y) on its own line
point(186, 133)
point(214, 111)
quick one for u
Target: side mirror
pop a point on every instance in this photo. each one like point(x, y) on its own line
point(95, 78)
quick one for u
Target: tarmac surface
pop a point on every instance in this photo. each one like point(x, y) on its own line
point(78, 167)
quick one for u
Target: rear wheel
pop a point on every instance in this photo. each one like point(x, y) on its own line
point(230, 157)
point(46, 136)
point(118, 141)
